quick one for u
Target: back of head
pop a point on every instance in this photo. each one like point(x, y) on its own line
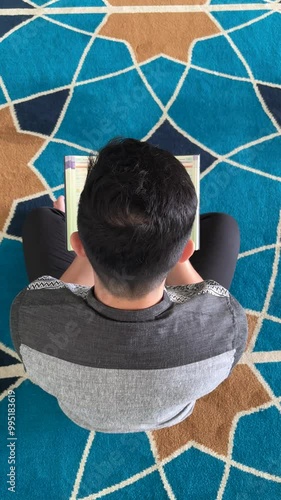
point(135, 216)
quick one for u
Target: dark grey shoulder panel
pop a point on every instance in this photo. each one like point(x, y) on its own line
point(59, 323)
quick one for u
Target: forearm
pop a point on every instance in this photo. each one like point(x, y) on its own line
point(183, 274)
point(79, 272)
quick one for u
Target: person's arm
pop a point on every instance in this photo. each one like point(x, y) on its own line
point(183, 273)
point(79, 272)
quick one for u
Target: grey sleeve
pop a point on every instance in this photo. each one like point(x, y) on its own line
point(241, 337)
point(14, 322)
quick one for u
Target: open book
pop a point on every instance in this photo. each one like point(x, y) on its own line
point(75, 173)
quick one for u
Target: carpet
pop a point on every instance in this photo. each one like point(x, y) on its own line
point(192, 77)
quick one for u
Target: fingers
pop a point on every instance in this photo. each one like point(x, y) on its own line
point(60, 203)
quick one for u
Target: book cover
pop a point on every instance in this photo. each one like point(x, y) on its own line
point(75, 173)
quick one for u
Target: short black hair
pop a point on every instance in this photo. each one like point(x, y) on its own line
point(135, 215)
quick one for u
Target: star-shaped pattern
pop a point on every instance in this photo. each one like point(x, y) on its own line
point(151, 34)
point(16, 150)
point(232, 80)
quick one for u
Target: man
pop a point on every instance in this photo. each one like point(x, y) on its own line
point(131, 328)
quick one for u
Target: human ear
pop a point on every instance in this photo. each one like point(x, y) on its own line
point(76, 244)
point(187, 251)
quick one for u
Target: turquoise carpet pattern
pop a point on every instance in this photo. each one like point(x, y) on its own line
point(70, 80)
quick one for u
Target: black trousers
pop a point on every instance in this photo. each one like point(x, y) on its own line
point(45, 253)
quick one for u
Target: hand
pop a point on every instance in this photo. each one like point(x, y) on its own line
point(60, 203)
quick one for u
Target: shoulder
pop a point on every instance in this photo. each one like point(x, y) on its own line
point(47, 283)
point(224, 306)
point(183, 293)
point(51, 283)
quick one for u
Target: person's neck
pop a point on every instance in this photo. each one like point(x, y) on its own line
point(110, 300)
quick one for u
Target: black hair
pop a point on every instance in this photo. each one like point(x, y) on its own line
point(135, 215)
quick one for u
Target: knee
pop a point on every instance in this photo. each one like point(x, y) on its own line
point(35, 217)
point(226, 220)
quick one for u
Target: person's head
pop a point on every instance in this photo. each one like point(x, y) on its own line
point(135, 216)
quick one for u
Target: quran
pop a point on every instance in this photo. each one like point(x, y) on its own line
point(75, 173)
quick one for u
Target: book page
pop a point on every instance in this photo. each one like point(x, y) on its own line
point(192, 166)
point(80, 177)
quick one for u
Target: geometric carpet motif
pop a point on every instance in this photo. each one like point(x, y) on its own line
point(199, 77)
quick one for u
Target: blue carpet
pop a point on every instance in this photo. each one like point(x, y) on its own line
point(189, 82)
